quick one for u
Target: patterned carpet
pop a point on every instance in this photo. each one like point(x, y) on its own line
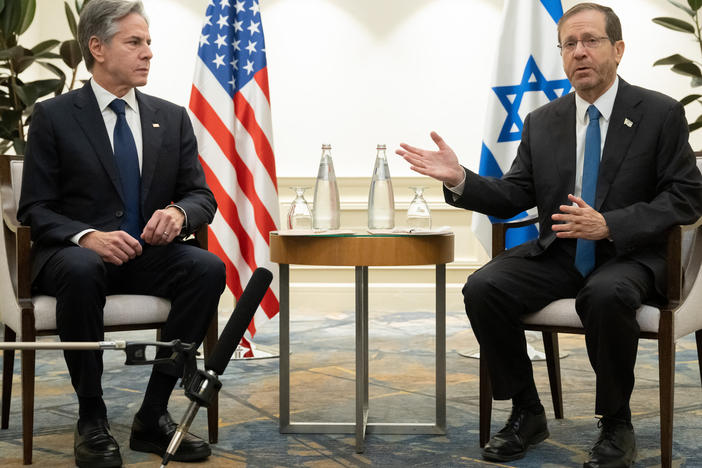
point(402, 389)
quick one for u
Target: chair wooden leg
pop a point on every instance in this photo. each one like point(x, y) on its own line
point(485, 397)
point(8, 367)
point(28, 357)
point(553, 364)
point(213, 410)
point(666, 369)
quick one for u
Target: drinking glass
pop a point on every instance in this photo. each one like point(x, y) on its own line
point(299, 215)
point(418, 214)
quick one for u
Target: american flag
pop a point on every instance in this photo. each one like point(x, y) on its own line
point(230, 110)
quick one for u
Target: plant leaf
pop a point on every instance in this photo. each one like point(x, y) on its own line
point(675, 24)
point(691, 98)
point(10, 19)
point(13, 53)
point(4, 144)
point(70, 53)
point(696, 82)
point(684, 8)
point(694, 126)
point(695, 4)
point(19, 145)
point(30, 92)
point(29, 7)
point(687, 69)
point(45, 46)
point(672, 60)
point(2, 5)
point(54, 69)
point(71, 19)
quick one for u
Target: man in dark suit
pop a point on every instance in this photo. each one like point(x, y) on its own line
point(111, 186)
point(609, 169)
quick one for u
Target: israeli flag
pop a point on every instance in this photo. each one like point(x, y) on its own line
point(527, 74)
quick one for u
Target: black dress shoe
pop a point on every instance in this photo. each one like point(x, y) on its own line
point(523, 429)
point(155, 438)
point(94, 446)
point(616, 446)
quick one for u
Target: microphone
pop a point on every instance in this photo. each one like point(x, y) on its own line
point(206, 384)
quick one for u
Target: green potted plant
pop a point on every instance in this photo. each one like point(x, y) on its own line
point(680, 64)
point(17, 96)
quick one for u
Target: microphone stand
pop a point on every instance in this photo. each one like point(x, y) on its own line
point(200, 387)
point(135, 350)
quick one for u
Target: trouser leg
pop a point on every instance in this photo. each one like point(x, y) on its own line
point(193, 279)
point(607, 307)
point(77, 278)
point(496, 297)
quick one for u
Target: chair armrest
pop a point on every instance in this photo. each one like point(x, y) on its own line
point(499, 231)
point(201, 236)
point(17, 250)
point(676, 270)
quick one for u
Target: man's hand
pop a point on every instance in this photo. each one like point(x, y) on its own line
point(441, 165)
point(580, 221)
point(163, 226)
point(115, 247)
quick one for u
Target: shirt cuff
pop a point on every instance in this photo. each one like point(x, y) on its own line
point(457, 189)
point(76, 238)
point(183, 228)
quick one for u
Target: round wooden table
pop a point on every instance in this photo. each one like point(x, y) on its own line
point(362, 251)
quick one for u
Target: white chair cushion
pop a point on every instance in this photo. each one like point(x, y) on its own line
point(561, 313)
point(120, 309)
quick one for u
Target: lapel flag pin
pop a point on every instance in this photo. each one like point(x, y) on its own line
point(628, 123)
point(155, 125)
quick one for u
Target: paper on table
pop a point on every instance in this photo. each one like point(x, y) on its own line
point(412, 231)
point(314, 232)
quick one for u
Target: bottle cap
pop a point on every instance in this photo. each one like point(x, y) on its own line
point(381, 147)
point(326, 146)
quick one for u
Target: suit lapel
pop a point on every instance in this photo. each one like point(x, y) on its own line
point(564, 154)
point(620, 133)
point(151, 135)
point(89, 117)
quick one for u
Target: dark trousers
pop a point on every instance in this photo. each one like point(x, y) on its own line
point(192, 278)
point(511, 285)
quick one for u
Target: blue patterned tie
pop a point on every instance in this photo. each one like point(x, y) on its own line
point(129, 174)
point(585, 249)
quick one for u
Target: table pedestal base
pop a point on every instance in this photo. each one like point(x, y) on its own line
point(361, 427)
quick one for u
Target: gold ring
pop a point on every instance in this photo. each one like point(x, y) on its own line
point(165, 233)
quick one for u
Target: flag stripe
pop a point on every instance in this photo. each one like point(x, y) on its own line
point(229, 212)
point(246, 115)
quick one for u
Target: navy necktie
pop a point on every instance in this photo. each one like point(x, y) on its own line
point(585, 249)
point(128, 164)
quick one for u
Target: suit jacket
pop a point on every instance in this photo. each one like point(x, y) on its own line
point(648, 179)
point(71, 182)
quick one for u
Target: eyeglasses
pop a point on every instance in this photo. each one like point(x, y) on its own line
point(588, 42)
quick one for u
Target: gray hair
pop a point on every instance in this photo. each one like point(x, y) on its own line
point(99, 18)
point(613, 27)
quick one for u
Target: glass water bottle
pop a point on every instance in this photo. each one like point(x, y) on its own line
point(325, 214)
point(381, 200)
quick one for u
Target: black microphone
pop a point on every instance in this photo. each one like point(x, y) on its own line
point(244, 311)
point(206, 384)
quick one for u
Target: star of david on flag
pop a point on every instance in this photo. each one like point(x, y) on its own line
point(527, 74)
point(231, 115)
